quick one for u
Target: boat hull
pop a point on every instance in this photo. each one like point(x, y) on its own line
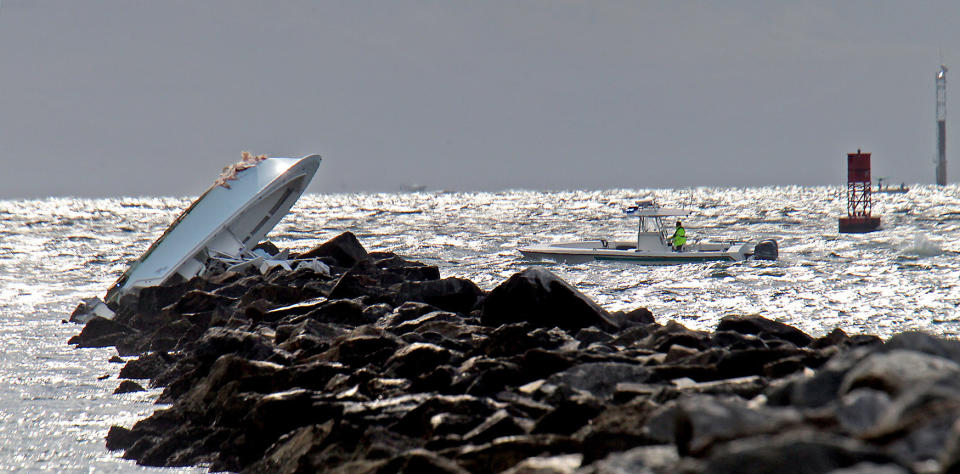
point(582, 253)
point(225, 220)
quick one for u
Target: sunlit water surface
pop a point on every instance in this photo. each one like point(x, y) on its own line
point(56, 406)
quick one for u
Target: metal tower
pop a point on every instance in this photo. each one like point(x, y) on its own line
point(942, 125)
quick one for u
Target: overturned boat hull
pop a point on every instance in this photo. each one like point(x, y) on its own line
point(227, 220)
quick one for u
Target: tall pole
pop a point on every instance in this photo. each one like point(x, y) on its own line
point(942, 126)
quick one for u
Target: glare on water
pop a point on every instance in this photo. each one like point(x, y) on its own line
point(55, 410)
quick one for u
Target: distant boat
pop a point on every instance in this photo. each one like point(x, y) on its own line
point(902, 189)
point(413, 188)
point(228, 220)
point(651, 246)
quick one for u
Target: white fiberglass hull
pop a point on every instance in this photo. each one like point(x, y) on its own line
point(222, 221)
point(596, 250)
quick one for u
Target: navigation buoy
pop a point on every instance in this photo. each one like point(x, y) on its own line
point(859, 198)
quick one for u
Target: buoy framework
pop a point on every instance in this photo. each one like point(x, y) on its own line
point(859, 197)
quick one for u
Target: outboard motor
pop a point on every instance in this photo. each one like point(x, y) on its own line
point(766, 250)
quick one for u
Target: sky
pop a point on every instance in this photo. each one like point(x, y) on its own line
point(152, 98)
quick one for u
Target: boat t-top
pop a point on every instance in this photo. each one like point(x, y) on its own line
point(652, 246)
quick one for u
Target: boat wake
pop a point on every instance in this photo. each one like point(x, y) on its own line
point(922, 247)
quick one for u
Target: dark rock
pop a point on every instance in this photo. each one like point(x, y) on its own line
point(219, 341)
point(275, 296)
point(569, 415)
point(950, 458)
point(365, 279)
point(196, 301)
point(363, 347)
point(735, 340)
point(861, 409)
point(119, 437)
point(741, 363)
point(152, 299)
point(695, 423)
point(820, 389)
point(662, 338)
point(288, 454)
point(146, 366)
point(341, 311)
point(836, 337)
point(416, 359)
point(541, 363)
point(497, 425)
point(413, 325)
point(518, 338)
point(793, 453)
point(128, 386)
point(925, 343)
point(758, 325)
point(638, 316)
point(541, 298)
point(641, 460)
point(631, 336)
point(173, 335)
point(101, 332)
point(268, 247)
point(503, 453)
point(599, 378)
point(616, 428)
point(116, 359)
point(417, 422)
point(895, 370)
point(450, 294)
point(871, 468)
point(344, 248)
point(587, 336)
point(421, 461)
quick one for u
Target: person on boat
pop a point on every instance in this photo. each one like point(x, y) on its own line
point(678, 238)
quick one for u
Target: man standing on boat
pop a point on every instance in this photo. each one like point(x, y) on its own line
point(678, 238)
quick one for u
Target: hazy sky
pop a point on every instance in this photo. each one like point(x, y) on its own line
point(147, 97)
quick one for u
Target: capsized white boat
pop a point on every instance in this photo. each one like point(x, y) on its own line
point(227, 221)
point(652, 245)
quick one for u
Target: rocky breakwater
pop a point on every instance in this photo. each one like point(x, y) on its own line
point(380, 365)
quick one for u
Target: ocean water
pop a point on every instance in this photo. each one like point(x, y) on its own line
point(56, 404)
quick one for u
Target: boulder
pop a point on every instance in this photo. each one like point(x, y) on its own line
point(497, 425)
point(345, 249)
point(197, 301)
point(450, 294)
point(793, 453)
point(365, 279)
point(598, 379)
point(146, 366)
point(504, 453)
point(617, 428)
point(418, 358)
point(758, 325)
point(638, 460)
point(422, 461)
point(895, 370)
point(925, 343)
point(128, 386)
point(861, 409)
point(542, 299)
point(102, 332)
point(696, 423)
point(662, 338)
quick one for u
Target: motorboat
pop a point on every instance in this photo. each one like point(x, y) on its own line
point(225, 223)
point(652, 245)
point(902, 189)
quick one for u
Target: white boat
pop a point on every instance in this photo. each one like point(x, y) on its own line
point(652, 246)
point(228, 220)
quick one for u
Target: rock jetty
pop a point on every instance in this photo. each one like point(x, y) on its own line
point(381, 366)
